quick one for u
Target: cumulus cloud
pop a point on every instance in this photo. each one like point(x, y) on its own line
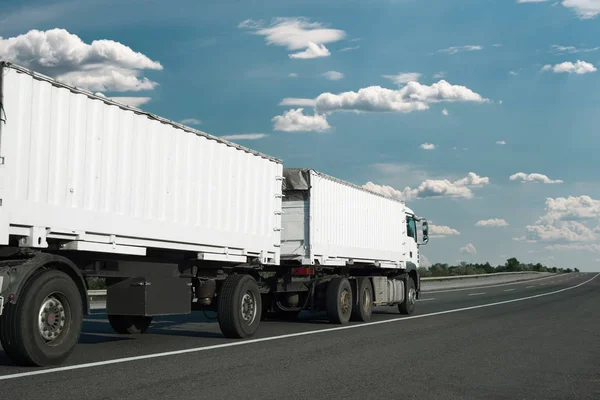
point(296, 34)
point(585, 9)
point(493, 222)
point(412, 97)
point(442, 231)
point(565, 231)
point(468, 249)
point(501, 142)
point(296, 121)
point(428, 146)
point(103, 65)
point(439, 75)
point(579, 67)
point(298, 102)
point(572, 208)
point(313, 50)
point(445, 112)
point(191, 121)
point(403, 77)
point(432, 188)
point(523, 177)
point(333, 75)
point(460, 49)
point(248, 136)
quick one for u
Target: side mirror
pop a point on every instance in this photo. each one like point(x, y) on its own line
point(423, 235)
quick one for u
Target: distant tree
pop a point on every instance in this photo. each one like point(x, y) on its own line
point(512, 265)
point(576, 269)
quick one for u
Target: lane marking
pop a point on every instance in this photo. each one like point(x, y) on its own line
point(485, 287)
point(530, 286)
point(509, 290)
point(476, 294)
point(426, 299)
point(286, 336)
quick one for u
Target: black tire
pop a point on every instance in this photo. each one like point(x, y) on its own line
point(235, 320)
point(129, 324)
point(363, 308)
point(339, 301)
point(407, 307)
point(22, 338)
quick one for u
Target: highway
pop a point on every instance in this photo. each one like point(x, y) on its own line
point(537, 339)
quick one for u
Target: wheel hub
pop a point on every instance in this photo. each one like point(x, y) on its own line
point(366, 300)
point(52, 317)
point(345, 302)
point(412, 296)
point(248, 307)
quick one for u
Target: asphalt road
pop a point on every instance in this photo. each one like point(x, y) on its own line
point(532, 340)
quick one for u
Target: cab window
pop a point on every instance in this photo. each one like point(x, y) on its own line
point(411, 227)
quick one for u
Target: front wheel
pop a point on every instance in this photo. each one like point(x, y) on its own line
point(43, 328)
point(240, 306)
point(410, 298)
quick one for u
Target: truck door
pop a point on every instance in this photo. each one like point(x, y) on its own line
point(411, 240)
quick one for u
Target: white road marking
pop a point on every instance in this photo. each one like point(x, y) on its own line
point(530, 286)
point(426, 299)
point(476, 294)
point(485, 287)
point(508, 290)
point(286, 336)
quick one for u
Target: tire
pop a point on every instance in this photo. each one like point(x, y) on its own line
point(43, 328)
point(129, 324)
point(362, 311)
point(339, 301)
point(407, 307)
point(239, 307)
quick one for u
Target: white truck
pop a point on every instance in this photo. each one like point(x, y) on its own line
point(176, 221)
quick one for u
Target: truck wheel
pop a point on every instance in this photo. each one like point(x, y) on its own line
point(44, 326)
point(129, 324)
point(363, 310)
point(240, 306)
point(339, 301)
point(410, 297)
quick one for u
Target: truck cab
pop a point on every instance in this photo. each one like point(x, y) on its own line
point(417, 234)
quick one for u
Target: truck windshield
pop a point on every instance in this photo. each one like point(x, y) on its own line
point(411, 227)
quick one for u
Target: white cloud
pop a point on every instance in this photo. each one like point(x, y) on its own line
point(296, 34)
point(442, 230)
point(523, 177)
point(103, 65)
point(403, 77)
point(296, 121)
point(412, 97)
point(513, 73)
point(565, 231)
point(131, 101)
point(350, 48)
point(292, 75)
point(333, 75)
point(439, 75)
point(432, 188)
point(501, 142)
point(459, 49)
point(312, 51)
point(497, 45)
point(579, 67)
point(293, 101)
point(574, 208)
point(427, 146)
point(493, 222)
point(558, 49)
point(585, 9)
point(468, 249)
point(249, 136)
point(445, 112)
point(190, 121)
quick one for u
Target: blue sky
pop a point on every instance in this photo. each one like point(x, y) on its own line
point(523, 73)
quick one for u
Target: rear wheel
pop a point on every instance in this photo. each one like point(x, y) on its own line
point(363, 308)
point(339, 301)
point(129, 324)
point(240, 306)
point(44, 326)
point(410, 298)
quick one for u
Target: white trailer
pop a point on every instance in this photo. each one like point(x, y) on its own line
point(176, 221)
